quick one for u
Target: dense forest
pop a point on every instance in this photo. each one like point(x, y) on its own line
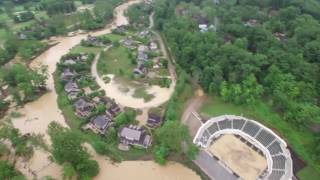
point(256, 52)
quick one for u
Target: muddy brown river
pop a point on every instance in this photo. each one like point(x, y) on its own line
point(39, 114)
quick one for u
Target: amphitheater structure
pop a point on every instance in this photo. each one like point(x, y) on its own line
point(261, 138)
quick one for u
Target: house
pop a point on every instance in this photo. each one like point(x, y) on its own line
point(251, 23)
point(120, 29)
point(83, 56)
point(71, 87)
point(104, 100)
point(100, 124)
point(156, 65)
point(134, 135)
point(113, 110)
point(92, 41)
point(83, 108)
point(140, 69)
point(128, 42)
point(142, 57)
point(69, 62)
point(149, 2)
point(67, 75)
point(143, 48)
point(154, 120)
point(73, 95)
point(153, 46)
point(144, 33)
point(280, 36)
point(22, 36)
point(204, 28)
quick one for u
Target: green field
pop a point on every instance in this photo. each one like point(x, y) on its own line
point(308, 173)
point(115, 61)
point(300, 140)
point(3, 36)
point(114, 37)
point(142, 93)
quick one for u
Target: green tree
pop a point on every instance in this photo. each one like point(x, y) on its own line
point(160, 154)
point(68, 171)
point(67, 148)
point(172, 139)
point(7, 172)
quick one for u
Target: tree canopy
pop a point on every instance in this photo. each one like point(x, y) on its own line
point(67, 150)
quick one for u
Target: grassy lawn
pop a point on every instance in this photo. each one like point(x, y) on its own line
point(3, 35)
point(78, 3)
point(79, 49)
point(116, 61)
point(142, 93)
point(18, 26)
point(114, 37)
point(308, 173)
point(71, 19)
point(300, 140)
point(164, 72)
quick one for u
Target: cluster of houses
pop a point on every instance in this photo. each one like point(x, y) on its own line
point(100, 123)
point(82, 106)
point(130, 135)
point(142, 52)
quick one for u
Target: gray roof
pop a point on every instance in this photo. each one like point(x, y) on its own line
point(81, 103)
point(142, 56)
point(154, 119)
point(131, 134)
point(71, 86)
point(101, 121)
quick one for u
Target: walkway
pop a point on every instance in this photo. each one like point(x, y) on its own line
point(212, 168)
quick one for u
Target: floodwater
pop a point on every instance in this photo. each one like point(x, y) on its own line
point(143, 170)
point(39, 114)
point(39, 166)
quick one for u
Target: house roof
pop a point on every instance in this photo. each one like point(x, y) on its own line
point(101, 121)
point(81, 103)
point(71, 86)
point(131, 134)
point(142, 56)
point(143, 48)
point(154, 119)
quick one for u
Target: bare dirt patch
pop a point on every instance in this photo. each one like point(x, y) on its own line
point(243, 160)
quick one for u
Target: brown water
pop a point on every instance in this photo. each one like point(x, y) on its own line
point(38, 114)
point(143, 170)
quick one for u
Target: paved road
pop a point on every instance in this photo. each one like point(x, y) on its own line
point(212, 168)
point(193, 105)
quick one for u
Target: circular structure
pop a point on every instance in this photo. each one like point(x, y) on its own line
point(260, 140)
